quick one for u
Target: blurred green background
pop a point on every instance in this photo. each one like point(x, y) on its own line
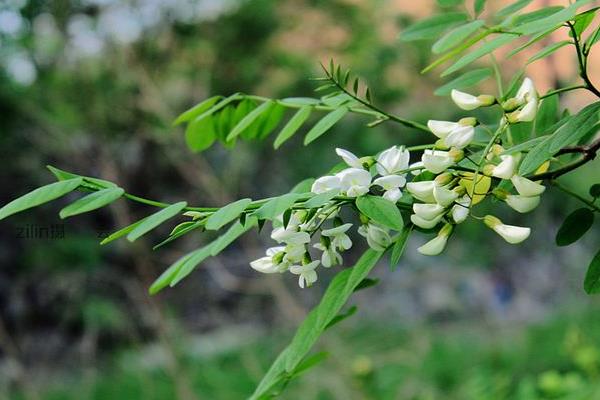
point(92, 86)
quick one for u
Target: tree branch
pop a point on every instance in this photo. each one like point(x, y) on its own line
point(589, 153)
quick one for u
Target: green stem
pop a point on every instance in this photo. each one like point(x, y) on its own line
point(565, 89)
point(575, 195)
point(581, 59)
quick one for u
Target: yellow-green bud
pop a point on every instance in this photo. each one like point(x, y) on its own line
point(468, 121)
point(511, 104)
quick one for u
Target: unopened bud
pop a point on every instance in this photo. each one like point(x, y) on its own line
point(443, 178)
point(456, 154)
point(511, 104)
point(468, 121)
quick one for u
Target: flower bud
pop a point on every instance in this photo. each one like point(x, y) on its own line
point(443, 179)
point(507, 167)
point(512, 234)
point(436, 161)
point(425, 223)
point(526, 187)
point(444, 196)
point(436, 245)
point(522, 204)
point(468, 121)
point(441, 129)
point(392, 160)
point(378, 238)
point(456, 154)
point(428, 211)
point(469, 102)
point(511, 104)
point(422, 190)
point(460, 211)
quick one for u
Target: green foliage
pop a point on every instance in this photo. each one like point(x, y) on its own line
point(591, 283)
point(92, 202)
point(315, 323)
point(381, 211)
point(227, 214)
point(575, 226)
point(40, 196)
point(154, 220)
point(432, 27)
point(400, 245)
point(464, 81)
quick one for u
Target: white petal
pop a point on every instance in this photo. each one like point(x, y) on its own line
point(349, 158)
point(528, 113)
point(393, 195)
point(425, 223)
point(336, 231)
point(436, 161)
point(428, 211)
point(526, 91)
point(464, 100)
point(354, 177)
point(325, 184)
point(460, 137)
point(434, 247)
point(512, 234)
point(522, 204)
point(459, 213)
point(443, 196)
point(441, 129)
point(264, 265)
point(390, 182)
point(526, 187)
point(422, 190)
point(507, 167)
point(392, 160)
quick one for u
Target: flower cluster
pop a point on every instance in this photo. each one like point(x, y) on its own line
point(446, 183)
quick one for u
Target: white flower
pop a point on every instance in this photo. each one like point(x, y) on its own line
point(307, 273)
point(422, 190)
point(289, 236)
point(436, 161)
point(512, 234)
point(526, 187)
point(453, 134)
point(349, 158)
point(325, 184)
point(522, 204)
point(391, 184)
point(444, 196)
point(428, 211)
point(355, 181)
point(425, 223)
point(526, 91)
point(460, 211)
point(525, 114)
point(441, 129)
point(436, 245)
point(378, 238)
point(469, 102)
point(330, 255)
point(268, 264)
point(507, 167)
point(392, 160)
point(460, 137)
point(338, 236)
point(417, 164)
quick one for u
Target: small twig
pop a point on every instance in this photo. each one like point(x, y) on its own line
point(575, 195)
point(588, 151)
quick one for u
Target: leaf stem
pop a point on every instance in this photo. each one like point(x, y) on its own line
point(575, 195)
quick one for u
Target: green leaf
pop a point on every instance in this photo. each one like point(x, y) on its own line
point(555, 19)
point(154, 220)
point(547, 114)
point(479, 6)
point(340, 317)
point(481, 51)
point(464, 81)
point(522, 19)
point(268, 121)
point(299, 101)
point(226, 214)
point(325, 124)
point(583, 20)
point(312, 327)
point(200, 134)
point(432, 27)
point(575, 226)
point(595, 190)
point(531, 41)
point(303, 186)
point(198, 109)
point(122, 232)
point(167, 276)
point(220, 105)
point(400, 246)
point(545, 52)
point(94, 183)
point(536, 156)
point(178, 231)
point(449, 3)
point(321, 198)
point(591, 284)
point(292, 125)
point(593, 38)
point(91, 202)
point(310, 362)
point(277, 205)
point(235, 231)
point(40, 196)
point(512, 8)
point(456, 36)
point(248, 119)
point(381, 211)
point(525, 145)
point(576, 127)
point(190, 263)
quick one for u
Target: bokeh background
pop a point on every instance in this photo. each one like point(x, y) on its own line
point(92, 86)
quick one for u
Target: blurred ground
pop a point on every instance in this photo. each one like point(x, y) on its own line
point(92, 87)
